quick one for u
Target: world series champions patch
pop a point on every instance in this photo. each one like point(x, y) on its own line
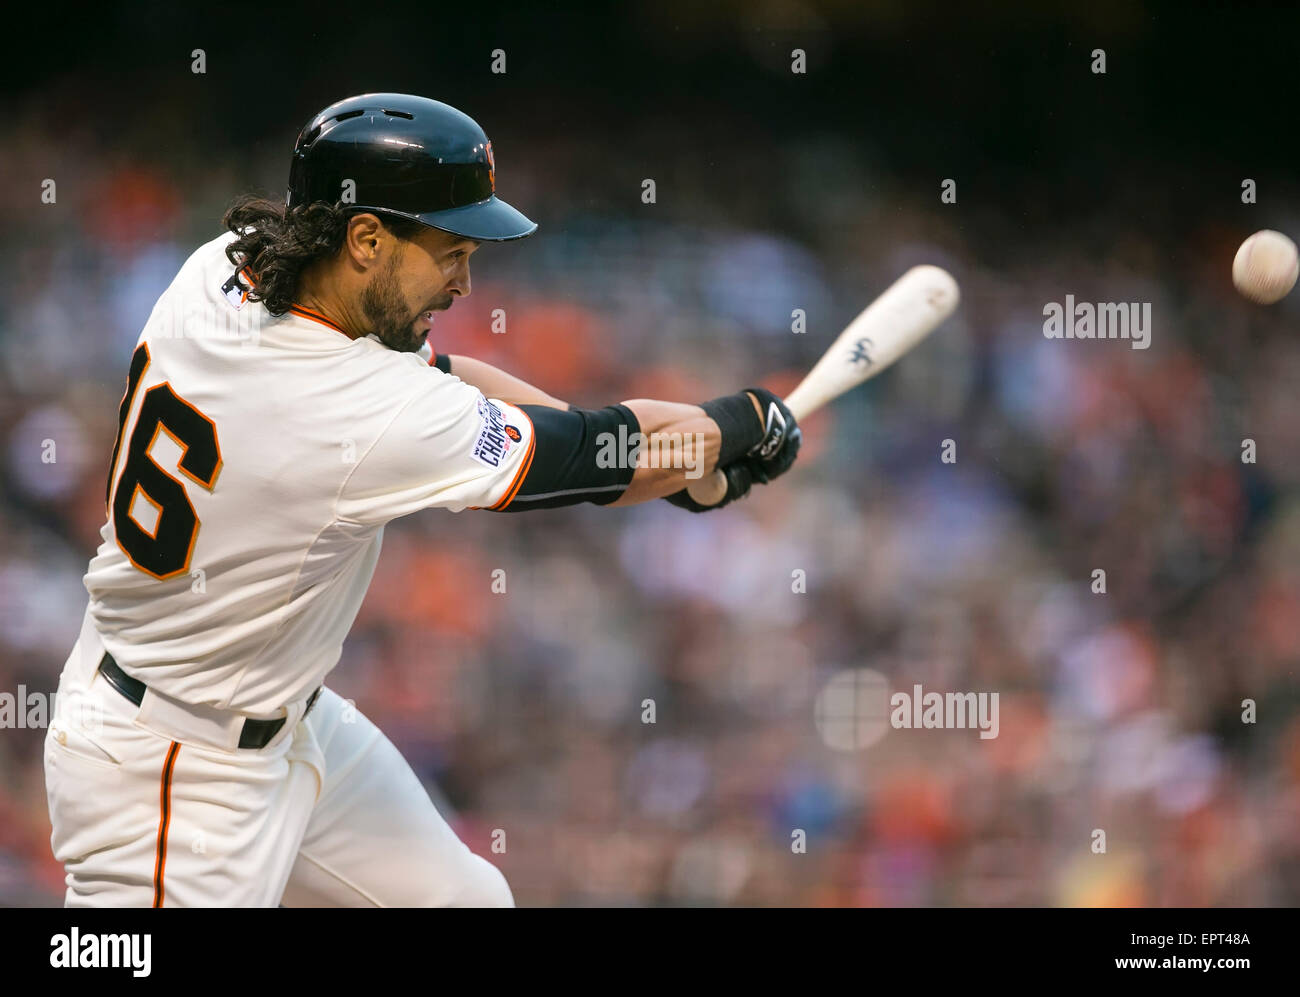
point(493, 441)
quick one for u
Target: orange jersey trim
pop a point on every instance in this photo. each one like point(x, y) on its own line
point(307, 313)
point(522, 473)
point(164, 821)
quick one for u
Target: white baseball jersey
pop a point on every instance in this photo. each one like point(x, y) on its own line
point(257, 462)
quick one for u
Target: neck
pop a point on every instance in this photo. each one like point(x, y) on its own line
point(319, 293)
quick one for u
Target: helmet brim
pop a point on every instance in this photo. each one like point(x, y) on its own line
point(484, 221)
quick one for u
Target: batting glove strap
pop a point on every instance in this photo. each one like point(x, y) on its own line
point(740, 431)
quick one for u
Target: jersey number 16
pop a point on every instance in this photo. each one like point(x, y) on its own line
point(165, 552)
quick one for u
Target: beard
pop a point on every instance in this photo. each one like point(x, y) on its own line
point(390, 317)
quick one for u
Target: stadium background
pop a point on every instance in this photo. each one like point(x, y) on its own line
point(775, 191)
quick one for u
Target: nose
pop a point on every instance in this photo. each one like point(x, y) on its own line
point(459, 284)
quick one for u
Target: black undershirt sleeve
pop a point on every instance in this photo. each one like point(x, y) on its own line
point(577, 457)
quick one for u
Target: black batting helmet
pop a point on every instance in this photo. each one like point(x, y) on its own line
point(407, 156)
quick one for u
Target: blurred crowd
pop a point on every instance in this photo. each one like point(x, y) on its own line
point(525, 711)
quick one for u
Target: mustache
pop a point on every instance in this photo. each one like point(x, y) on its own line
point(439, 304)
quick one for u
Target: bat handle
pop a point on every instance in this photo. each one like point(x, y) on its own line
point(710, 489)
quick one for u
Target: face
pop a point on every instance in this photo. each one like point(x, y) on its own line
point(422, 276)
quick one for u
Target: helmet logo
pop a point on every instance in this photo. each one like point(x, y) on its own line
point(492, 167)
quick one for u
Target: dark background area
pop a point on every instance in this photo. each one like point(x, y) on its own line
point(1003, 98)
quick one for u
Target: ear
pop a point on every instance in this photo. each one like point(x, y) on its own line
point(365, 239)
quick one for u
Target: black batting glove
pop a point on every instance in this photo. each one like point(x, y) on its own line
point(750, 451)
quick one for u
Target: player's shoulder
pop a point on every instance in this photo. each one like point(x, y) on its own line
point(421, 398)
point(408, 376)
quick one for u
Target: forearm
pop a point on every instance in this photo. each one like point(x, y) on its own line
point(496, 383)
point(680, 444)
point(633, 451)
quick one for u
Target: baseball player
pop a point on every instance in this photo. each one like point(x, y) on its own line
point(283, 403)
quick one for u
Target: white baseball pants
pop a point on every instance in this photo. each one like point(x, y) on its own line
point(328, 814)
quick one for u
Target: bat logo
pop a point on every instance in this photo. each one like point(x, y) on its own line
point(860, 352)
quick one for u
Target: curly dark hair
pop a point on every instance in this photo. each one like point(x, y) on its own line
point(278, 244)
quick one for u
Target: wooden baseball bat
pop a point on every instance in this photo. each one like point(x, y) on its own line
point(907, 312)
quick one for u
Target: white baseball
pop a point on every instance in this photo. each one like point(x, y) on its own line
point(1266, 267)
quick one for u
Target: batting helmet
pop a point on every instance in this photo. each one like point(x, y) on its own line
point(407, 156)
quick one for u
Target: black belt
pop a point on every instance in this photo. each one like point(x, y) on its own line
point(256, 733)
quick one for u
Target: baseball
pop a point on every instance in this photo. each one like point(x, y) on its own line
point(1266, 267)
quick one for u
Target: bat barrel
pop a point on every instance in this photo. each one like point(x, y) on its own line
point(907, 312)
